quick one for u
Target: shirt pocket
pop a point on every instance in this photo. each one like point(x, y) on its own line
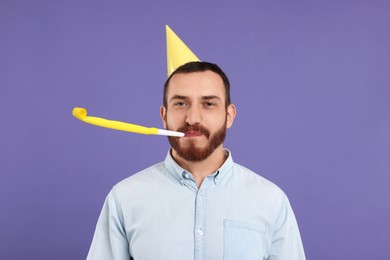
point(244, 240)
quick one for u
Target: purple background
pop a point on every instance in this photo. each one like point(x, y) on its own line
point(311, 80)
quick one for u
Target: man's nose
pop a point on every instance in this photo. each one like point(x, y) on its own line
point(193, 116)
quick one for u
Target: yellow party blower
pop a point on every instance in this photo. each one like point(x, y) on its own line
point(81, 113)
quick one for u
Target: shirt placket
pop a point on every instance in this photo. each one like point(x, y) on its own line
point(200, 220)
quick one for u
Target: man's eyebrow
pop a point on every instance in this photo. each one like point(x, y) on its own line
point(178, 97)
point(211, 97)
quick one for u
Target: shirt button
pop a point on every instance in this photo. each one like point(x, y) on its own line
point(200, 232)
point(187, 175)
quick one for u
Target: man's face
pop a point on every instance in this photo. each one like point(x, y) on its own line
point(196, 106)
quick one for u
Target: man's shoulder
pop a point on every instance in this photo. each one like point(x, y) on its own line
point(143, 177)
point(253, 180)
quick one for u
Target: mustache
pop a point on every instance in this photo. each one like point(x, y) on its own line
point(195, 128)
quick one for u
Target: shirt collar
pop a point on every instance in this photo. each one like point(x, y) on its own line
point(179, 173)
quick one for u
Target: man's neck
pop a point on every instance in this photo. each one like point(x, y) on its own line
point(203, 168)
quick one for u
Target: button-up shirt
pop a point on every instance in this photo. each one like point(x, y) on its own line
point(160, 213)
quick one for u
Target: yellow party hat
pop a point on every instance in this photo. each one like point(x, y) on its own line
point(177, 52)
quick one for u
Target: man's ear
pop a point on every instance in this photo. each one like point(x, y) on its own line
point(163, 115)
point(230, 115)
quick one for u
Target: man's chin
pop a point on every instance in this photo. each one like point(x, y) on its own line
point(193, 155)
point(194, 146)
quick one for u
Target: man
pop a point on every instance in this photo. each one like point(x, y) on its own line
point(198, 203)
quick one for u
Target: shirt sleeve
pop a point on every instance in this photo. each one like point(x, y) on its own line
point(286, 242)
point(109, 241)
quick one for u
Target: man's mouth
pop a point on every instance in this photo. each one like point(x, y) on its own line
point(193, 133)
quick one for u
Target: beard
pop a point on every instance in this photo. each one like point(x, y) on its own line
point(190, 151)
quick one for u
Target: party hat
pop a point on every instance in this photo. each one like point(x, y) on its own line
point(177, 52)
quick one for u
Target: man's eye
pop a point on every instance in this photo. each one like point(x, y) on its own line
point(209, 104)
point(179, 104)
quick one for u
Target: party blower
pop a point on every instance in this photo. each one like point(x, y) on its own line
point(81, 113)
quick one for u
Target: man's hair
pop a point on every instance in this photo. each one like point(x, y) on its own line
point(199, 66)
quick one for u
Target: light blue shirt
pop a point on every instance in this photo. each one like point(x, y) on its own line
point(159, 213)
